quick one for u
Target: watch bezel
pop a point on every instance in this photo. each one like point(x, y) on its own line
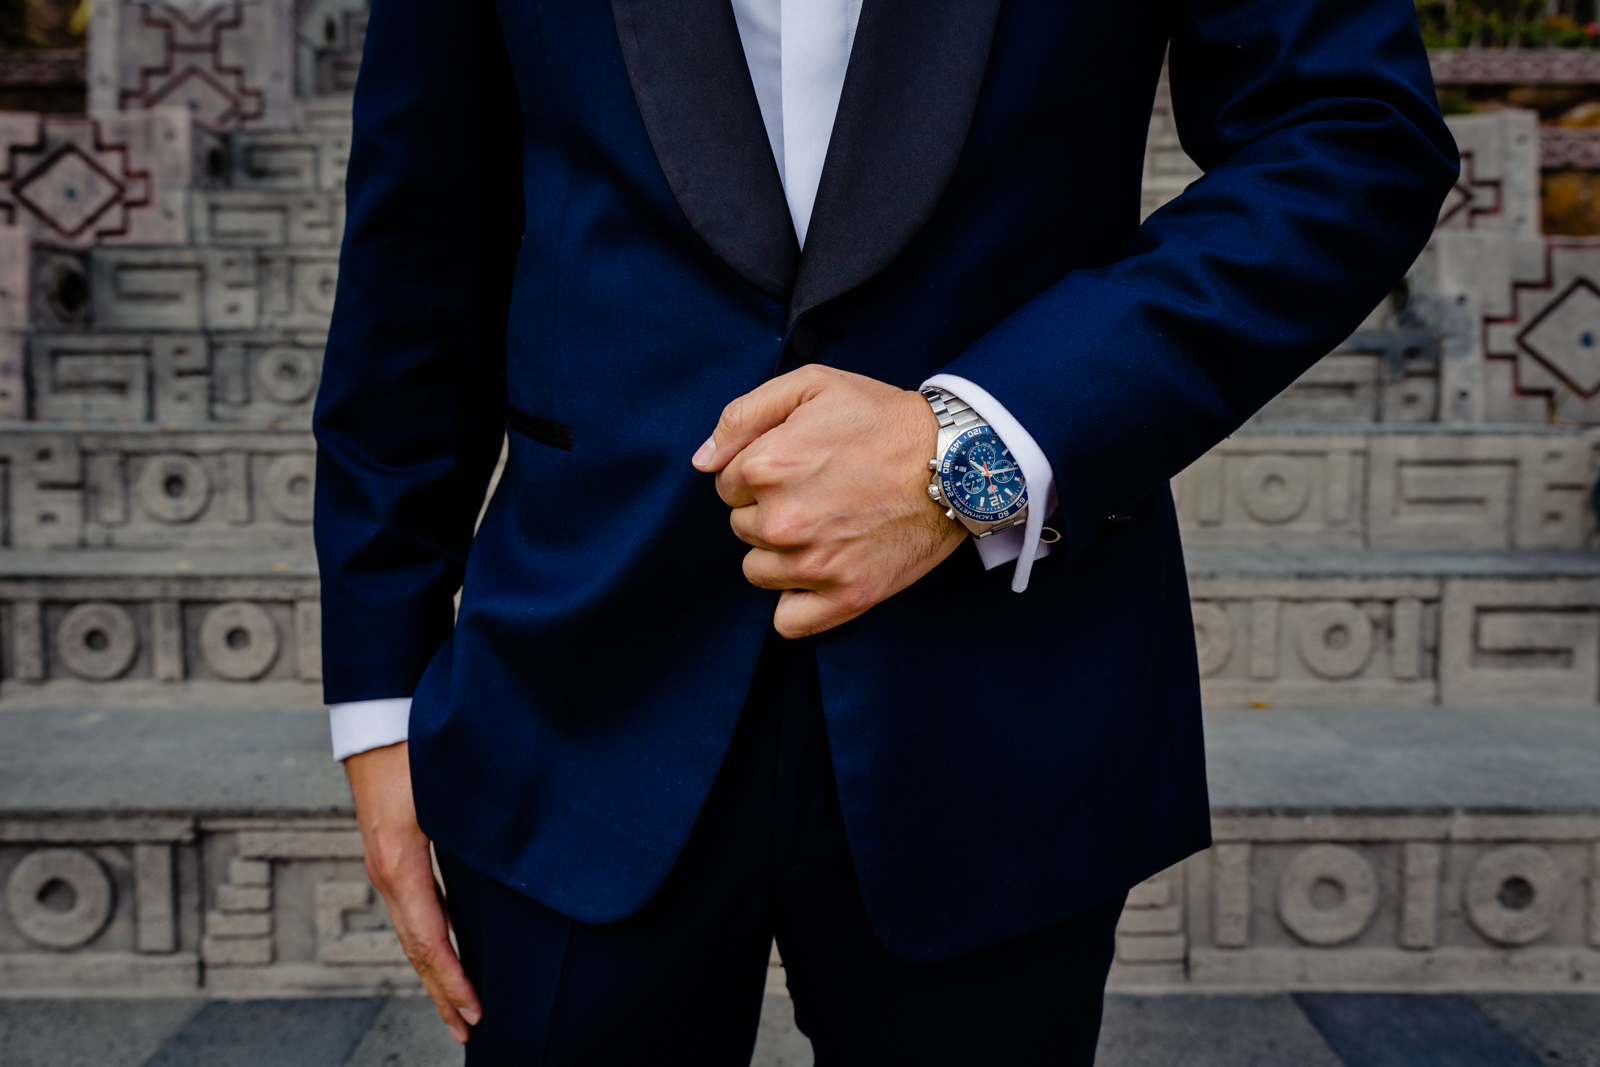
point(957, 501)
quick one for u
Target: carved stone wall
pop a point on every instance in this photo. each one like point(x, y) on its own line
point(113, 179)
point(1417, 902)
point(1426, 492)
point(180, 639)
point(230, 65)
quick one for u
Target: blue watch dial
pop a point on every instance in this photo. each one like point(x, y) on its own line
point(980, 478)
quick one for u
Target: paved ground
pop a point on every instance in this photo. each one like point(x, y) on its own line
point(1308, 1030)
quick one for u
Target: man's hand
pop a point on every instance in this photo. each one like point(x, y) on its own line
point(827, 475)
point(400, 865)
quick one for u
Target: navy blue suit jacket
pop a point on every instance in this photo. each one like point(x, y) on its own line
point(565, 218)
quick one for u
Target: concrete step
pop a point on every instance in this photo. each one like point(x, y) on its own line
point(110, 628)
point(1357, 848)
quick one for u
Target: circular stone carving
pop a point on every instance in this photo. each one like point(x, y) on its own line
point(173, 488)
point(287, 375)
point(239, 641)
point(1336, 639)
point(1514, 894)
point(288, 486)
point(97, 641)
point(1328, 895)
point(59, 897)
point(1213, 637)
point(1274, 488)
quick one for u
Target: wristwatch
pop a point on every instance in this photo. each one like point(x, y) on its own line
point(974, 474)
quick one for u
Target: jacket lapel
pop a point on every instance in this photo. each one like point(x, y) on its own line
point(692, 84)
point(909, 93)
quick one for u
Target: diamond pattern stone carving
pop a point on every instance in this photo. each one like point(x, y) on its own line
point(76, 182)
point(69, 190)
point(1565, 337)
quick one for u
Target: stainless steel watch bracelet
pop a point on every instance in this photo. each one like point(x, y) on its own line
point(956, 415)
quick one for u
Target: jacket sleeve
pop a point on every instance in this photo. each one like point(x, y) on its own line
point(410, 414)
point(1325, 162)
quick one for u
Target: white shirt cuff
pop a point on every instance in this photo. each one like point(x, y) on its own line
point(1018, 543)
point(360, 725)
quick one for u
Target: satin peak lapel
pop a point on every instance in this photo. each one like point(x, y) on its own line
point(909, 93)
point(692, 84)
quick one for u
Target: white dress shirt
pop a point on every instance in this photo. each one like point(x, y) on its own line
point(797, 51)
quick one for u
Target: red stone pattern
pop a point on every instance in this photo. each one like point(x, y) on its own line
point(193, 64)
point(31, 188)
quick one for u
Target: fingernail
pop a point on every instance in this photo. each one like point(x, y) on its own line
point(472, 1015)
point(459, 1035)
point(707, 452)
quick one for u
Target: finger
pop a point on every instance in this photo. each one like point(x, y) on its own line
point(428, 947)
point(766, 569)
point(746, 523)
point(758, 411)
point(801, 613)
point(419, 919)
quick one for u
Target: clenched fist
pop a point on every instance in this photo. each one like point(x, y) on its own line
point(827, 475)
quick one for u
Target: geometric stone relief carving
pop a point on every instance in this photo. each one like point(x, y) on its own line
point(1457, 641)
point(106, 904)
point(331, 36)
point(1515, 66)
point(1315, 640)
point(205, 489)
point(267, 379)
point(113, 179)
point(1380, 376)
point(1351, 901)
point(14, 310)
point(1448, 900)
point(1543, 351)
point(293, 909)
point(229, 65)
point(267, 219)
point(214, 289)
point(184, 640)
point(1499, 186)
point(299, 161)
point(1150, 933)
point(1512, 643)
point(1468, 491)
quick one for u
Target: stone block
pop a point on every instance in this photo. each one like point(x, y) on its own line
point(236, 952)
point(186, 639)
point(224, 924)
point(266, 378)
point(1313, 641)
point(14, 301)
point(168, 489)
point(230, 65)
point(301, 161)
point(1529, 643)
point(1276, 491)
point(331, 36)
point(235, 898)
point(214, 288)
point(1297, 911)
point(92, 914)
point(1499, 186)
point(262, 218)
point(123, 179)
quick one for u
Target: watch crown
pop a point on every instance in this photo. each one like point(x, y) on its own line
point(933, 490)
point(933, 464)
point(950, 513)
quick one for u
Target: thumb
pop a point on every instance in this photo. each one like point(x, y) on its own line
point(758, 411)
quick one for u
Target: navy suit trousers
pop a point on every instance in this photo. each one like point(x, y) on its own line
point(681, 981)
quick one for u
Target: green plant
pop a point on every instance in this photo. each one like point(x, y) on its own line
point(1508, 23)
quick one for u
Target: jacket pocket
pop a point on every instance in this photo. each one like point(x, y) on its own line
point(545, 431)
